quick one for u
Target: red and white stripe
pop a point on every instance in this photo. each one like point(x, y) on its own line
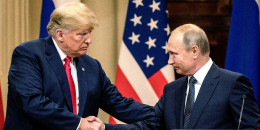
point(131, 81)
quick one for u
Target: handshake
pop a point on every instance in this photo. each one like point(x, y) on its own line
point(91, 123)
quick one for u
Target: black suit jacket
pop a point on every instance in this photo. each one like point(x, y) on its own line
point(39, 94)
point(217, 106)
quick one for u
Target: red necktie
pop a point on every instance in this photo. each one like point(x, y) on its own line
point(71, 83)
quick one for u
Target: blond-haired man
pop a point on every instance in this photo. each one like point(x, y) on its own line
point(53, 84)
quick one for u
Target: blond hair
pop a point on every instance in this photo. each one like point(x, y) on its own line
point(71, 16)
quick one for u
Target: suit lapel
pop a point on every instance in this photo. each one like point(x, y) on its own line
point(56, 63)
point(207, 88)
point(82, 84)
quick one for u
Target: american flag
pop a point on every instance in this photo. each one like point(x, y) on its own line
point(142, 70)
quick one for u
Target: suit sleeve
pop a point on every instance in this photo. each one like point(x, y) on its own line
point(153, 122)
point(25, 89)
point(122, 108)
point(250, 115)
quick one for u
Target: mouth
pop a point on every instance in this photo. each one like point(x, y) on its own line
point(84, 48)
point(175, 67)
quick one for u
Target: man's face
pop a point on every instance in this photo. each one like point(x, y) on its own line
point(74, 43)
point(181, 59)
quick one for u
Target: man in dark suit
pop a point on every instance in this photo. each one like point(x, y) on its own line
point(53, 84)
point(207, 97)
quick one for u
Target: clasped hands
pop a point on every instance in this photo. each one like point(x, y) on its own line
point(91, 123)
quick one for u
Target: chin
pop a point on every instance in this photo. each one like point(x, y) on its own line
point(83, 53)
point(179, 71)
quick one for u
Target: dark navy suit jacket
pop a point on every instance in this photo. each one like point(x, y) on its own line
point(39, 94)
point(217, 106)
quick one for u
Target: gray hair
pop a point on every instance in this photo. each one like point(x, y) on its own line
point(194, 35)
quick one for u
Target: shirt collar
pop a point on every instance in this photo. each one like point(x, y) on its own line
point(202, 72)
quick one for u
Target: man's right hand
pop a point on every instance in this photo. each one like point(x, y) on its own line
point(91, 123)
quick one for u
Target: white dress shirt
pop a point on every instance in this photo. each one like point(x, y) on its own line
point(73, 71)
point(199, 76)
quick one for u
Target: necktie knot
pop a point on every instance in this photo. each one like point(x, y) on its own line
point(67, 63)
point(192, 80)
point(67, 60)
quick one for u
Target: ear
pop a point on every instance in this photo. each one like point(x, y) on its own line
point(195, 51)
point(59, 35)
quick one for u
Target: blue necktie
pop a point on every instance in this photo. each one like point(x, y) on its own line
point(189, 102)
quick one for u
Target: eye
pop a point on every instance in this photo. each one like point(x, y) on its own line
point(172, 53)
point(82, 34)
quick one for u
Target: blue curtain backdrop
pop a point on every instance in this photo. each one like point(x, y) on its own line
point(47, 8)
point(243, 50)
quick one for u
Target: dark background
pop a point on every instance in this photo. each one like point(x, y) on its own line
point(213, 16)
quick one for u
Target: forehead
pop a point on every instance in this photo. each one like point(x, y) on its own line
point(175, 42)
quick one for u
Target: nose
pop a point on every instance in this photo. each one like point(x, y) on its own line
point(88, 39)
point(171, 59)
